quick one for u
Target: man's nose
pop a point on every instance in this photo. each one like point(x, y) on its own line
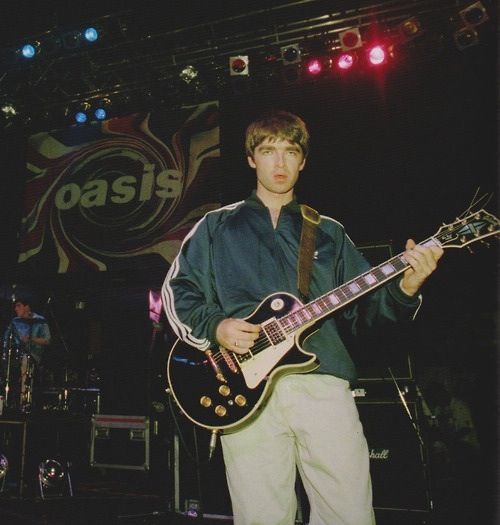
point(280, 159)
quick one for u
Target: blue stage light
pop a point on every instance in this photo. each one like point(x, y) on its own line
point(28, 51)
point(80, 117)
point(90, 34)
point(100, 113)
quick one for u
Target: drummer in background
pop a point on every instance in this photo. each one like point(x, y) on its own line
point(30, 333)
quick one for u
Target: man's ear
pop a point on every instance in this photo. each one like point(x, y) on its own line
point(251, 162)
point(301, 167)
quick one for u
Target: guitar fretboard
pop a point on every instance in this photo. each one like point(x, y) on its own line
point(278, 330)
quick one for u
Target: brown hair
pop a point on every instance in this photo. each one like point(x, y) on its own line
point(277, 125)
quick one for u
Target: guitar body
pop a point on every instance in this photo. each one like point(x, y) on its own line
point(229, 394)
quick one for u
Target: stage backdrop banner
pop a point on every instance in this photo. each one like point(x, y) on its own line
point(119, 194)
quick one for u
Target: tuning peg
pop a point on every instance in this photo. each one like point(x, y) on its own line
point(470, 250)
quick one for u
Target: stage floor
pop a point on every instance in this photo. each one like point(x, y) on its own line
point(163, 492)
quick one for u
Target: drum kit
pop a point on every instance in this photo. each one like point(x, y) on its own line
point(18, 368)
point(26, 387)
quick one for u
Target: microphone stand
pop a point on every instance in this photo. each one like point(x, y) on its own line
point(64, 399)
point(27, 375)
point(10, 347)
point(405, 405)
point(423, 452)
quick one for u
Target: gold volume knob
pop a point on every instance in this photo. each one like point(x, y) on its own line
point(224, 390)
point(220, 410)
point(205, 401)
point(240, 400)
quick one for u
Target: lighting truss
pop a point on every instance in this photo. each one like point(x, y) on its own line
point(143, 51)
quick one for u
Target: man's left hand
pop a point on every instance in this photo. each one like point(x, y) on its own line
point(423, 261)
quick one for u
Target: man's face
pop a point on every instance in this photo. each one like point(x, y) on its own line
point(277, 164)
point(22, 310)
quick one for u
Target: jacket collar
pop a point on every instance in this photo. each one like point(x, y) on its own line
point(254, 202)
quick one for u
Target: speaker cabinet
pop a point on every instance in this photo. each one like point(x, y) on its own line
point(397, 457)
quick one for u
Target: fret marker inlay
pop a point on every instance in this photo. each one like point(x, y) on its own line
point(370, 278)
point(387, 269)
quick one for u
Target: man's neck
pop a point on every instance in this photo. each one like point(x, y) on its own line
point(274, 201)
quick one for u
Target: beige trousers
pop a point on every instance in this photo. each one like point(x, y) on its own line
point(311, 423)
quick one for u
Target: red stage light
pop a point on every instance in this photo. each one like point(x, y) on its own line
point(377, 55)
point(314, 66)
point(345, 61)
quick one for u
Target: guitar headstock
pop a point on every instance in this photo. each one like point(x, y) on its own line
point(474, 227)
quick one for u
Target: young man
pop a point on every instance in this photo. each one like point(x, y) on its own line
point(25, 338)
point(234, 258)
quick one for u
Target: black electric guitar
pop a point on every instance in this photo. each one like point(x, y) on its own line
point(223, 391)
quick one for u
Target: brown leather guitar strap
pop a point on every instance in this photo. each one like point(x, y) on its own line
point(311, 219)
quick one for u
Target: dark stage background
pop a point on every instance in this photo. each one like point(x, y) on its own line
point(393, 156)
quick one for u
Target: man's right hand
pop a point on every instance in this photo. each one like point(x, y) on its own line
point(237, 335)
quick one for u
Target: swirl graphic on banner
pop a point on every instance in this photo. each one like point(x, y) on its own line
point(99, 195)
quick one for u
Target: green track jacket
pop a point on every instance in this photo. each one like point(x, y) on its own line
point(233, 259)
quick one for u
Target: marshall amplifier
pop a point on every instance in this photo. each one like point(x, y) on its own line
point(397, 457)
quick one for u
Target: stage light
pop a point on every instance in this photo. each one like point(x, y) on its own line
point(188, 74)
point(29, 50)
point(4, 468)
point(8, 109)
point(100, 108)
point(466, 37)
point(81, 117)
point(81, 112)
point(238, 65)
point(377, 55)
point(409, 29)
point(350, 39)
point(50, 473)
point(4, 465)
point(291, 54)
point(314, 66)
point(90, 34)
point(100, 114)
point(345, 61)
point(474, 15)
point(54, 479)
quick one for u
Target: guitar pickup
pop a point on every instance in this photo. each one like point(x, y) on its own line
point(229, 360)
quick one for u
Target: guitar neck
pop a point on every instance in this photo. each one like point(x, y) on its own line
point(347, 292)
